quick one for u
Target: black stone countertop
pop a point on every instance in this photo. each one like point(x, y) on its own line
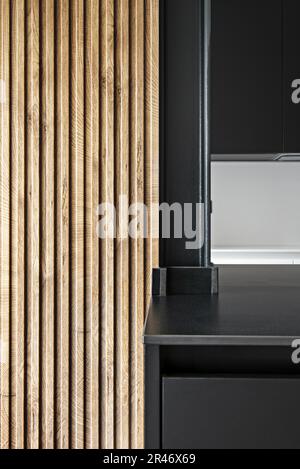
point(256, 305)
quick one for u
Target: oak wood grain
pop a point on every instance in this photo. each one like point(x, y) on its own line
point(62, 235)
point(4, 226)
point(92, 200)
point(47, 220)
point(107, 170)
point(151, 140)
point(79, 127)
point(137, 197)
point(33, 266)
point(17, 307)
point(77, 223)
point(122, 142)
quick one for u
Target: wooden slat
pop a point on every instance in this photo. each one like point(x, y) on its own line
point(107, 246)
point(47, 210)
point(148, 147)
point(122, 245)
point(62, 124)
point(18, 221)
point(77, 222)
point(4, 224)
point(92, 242)
point(33, 222)
point(152, 138)
point(136, 197)
point(154, 170)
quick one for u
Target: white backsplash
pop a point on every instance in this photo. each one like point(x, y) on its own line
point(256, 212)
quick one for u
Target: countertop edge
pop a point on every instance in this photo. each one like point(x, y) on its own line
point(271, 341)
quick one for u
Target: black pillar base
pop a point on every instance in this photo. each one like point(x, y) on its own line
point(185, 281)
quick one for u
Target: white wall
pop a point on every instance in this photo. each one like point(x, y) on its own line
point(256, 207)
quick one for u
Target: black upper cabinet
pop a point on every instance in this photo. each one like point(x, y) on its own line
point(247, 76)
point(291, 59)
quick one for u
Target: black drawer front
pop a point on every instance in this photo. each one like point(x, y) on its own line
point(231, 412)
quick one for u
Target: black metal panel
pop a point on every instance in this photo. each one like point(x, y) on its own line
point(184, 126)
point(192, 281)
point(152, 398)
point(179, 157)
point(247, 103)
point(185, 281)
point(231, 412)
point(291, 74)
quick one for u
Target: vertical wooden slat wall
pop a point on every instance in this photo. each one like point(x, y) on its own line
point(78, 127)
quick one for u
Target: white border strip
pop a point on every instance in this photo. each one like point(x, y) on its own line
point(256, 256)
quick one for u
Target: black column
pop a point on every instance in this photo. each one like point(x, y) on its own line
point(185, 169)
point(204, 154)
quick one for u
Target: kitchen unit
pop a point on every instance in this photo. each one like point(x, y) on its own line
point(221, 342)
point(255, 79)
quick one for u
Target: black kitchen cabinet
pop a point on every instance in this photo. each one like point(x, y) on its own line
point(230, 412)
point(255, 80)
point(246, 86)
point(291, 66)
point(220, 371)
point(222, 344)
point(255, 87)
